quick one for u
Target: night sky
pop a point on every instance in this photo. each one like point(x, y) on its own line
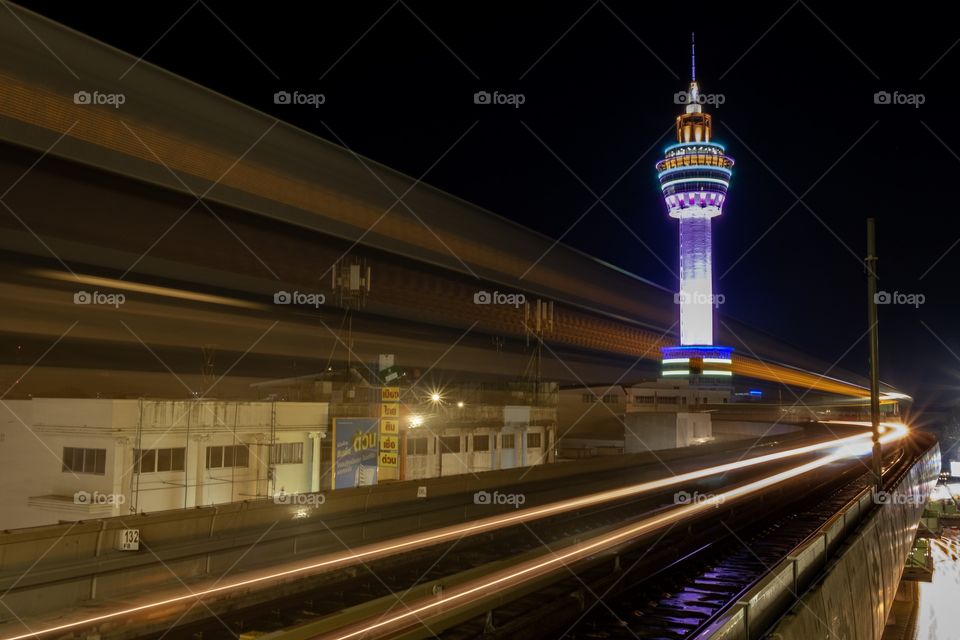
point(798, 84)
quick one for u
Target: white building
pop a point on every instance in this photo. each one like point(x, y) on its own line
point(661, 414)
point(489, 437)
point(75, 459)
point(670, 413)
point(80, 459)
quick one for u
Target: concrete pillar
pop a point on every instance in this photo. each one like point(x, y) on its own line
point(122, 469)
point(316, 438)
point(195, 498)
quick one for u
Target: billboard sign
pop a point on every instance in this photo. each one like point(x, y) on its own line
point(390, 394)
point(356, 445)
point(389, 426)
point(388, 459)
point(390, 410)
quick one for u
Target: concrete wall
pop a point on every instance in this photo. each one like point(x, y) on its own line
point(856, 595)
point(847, 573)
point(19, 449)
point(591, 412)
point(652, 431)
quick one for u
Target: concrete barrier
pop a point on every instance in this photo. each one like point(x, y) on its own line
point(848, 571)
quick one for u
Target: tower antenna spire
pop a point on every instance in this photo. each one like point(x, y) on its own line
point(693, 57)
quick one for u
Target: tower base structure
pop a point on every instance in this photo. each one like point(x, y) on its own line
point(698, 363)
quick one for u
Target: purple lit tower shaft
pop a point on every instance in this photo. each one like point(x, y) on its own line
point(696, 280)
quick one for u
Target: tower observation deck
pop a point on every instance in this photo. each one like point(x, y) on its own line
point(694, 176)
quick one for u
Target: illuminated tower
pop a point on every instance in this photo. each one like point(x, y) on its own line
point(694, 176)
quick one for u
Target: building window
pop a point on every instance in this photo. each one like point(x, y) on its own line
point(481, 443)
point(683, 399)
point(611, 398)
point(417, 446)
point(667, 399)
point(237, 455)
point(533, 441)
point(644, 399)
point(506, 441)
point(450, 444)
point(286, 453)
point(153, 460)
point(589, 398)
point(80, 460)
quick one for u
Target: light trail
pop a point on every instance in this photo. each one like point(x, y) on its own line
point(149, 289)
point(534, 568)
point(855, 445)
point(742, 365)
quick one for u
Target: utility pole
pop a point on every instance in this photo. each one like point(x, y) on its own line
point(871, 265)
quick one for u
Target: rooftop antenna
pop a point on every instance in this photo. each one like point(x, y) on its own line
point(693, 57)
point(693, 94)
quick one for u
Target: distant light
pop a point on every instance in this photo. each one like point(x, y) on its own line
point(679, 372)
point(756, 392)
point(716, 372)
point(435, 395)
point(416, 421)
point(460, 404)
